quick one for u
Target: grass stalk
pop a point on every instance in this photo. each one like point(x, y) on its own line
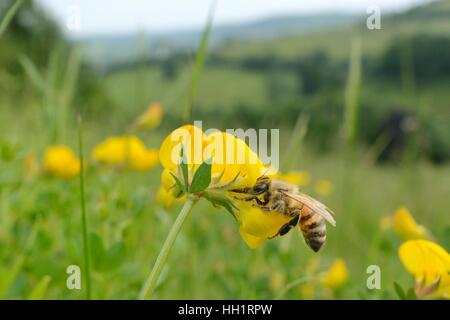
point(9, 16)
point(84, 226)
point(295, 142)
point(152, 280)
point(352, 93)
point(198, 66)
point(291, 285)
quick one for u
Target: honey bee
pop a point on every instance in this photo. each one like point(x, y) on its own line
point(306, 212)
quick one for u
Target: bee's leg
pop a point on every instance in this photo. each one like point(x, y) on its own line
point(250, 198)
point(285, 228)
point(241, 190)
point(279, 206)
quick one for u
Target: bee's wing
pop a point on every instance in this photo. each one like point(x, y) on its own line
point(313, 204)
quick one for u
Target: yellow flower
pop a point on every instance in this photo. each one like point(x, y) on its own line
point(324, 187)
point(299, 178)
point(128, 150)
point(60, 161)
point(233, 165)
point(429, 263)
point(151, 118)
point(256, 226)
point(406, 227)
point(336, 276)
point(231, 158)
point(166, 198)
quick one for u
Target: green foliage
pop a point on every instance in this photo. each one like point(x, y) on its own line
point(273, 84)
point(6, 19)
point(184, 170)
point(202, 177)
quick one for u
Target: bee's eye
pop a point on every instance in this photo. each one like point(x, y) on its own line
point(260, 188)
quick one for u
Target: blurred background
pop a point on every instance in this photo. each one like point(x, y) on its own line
point(367, 110)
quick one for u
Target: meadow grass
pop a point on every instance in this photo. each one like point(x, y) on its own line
point(41, 232)
point(209, 260)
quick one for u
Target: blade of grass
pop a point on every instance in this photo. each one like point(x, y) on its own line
point(352, 93)
point(69, 84)
point(83, 211)
point(9, 16)
point(12, 273)
point(32, 72)
point(40, 289)
point(198, 66)
point(291, 285)
point(295, 142)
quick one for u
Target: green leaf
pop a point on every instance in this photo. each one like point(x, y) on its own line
point(7, 18)
point(219, 200)
point(97, 250)
point(40, 289)
point(202, 177)
point(114, 256)
point(179, 184)
point(400, 292)
point(411, 295)
point(184, 170)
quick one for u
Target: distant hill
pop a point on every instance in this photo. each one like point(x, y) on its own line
point(113, 49)
point(431, 18)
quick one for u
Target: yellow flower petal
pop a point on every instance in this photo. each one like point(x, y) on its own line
point(252, 241)
point(406, 227)
point(151, 118)
point(336, 276)
point(232, 156)
point(144, 160)
point(426, 260)
point(191, 138)
point(259, 223)
point(130, 150)
point(167, 181)
point(60, 161)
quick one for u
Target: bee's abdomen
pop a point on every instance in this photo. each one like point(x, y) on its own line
point(313, 229)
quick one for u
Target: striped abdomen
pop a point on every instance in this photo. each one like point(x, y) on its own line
point(313, 228)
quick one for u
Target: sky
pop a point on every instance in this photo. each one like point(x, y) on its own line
point(92, 17)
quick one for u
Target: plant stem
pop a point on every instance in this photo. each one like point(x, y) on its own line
point(292, 284)
point(9, 16)
point(198, 66)
point(83, 211)
point(150, 284)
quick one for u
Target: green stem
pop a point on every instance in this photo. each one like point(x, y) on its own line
point(9, 16)
point(292, 284)
point(150, 284)
point(83, 211)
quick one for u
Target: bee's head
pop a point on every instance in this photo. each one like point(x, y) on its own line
point(262, 185)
